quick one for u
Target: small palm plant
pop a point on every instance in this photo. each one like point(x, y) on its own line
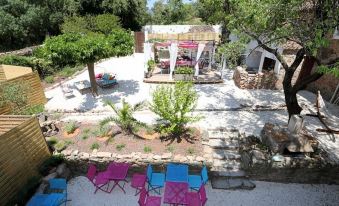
point(124, 116)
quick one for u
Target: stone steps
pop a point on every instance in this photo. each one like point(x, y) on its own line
point(223, 147)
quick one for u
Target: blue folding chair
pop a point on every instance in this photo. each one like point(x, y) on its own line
point(195, 181)
point(155, 180)
point(53, 199)
point(58, 185)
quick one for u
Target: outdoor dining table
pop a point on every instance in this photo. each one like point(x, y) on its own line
point(177, 173)
point(175, 193)
point(117, 172)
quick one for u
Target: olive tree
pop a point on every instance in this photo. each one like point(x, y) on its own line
point(87, 49)
point(308, 24)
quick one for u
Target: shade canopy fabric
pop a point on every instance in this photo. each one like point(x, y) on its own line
point(200, 50)
point(173, 49)
point(147, 54)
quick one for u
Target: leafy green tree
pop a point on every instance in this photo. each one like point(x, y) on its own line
point(87, 49)
point(213, 12)
point(174, 12)
point(309, 24)
point(27, 22)
point(103, 23)
point(174, 106)
point(124, 116)
point(132, 13)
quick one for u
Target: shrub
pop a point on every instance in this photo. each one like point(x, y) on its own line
point(49, 163)
point(49, 79)
point(103, 131)
point(150, 65)
point(16, 60)
point(52, 141)
point(14, 95)
point(84, 136)
point(183, 70)
point(35, 109)
point(86, 131)
point(70, 127)
point(95, 146)
point(190, 151)
point(61, 145)
point(124, 116)
point(119, 147)
point(174, 107)
point(147, 149)
point(170, 148)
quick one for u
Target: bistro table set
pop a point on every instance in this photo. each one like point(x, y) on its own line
point(180, 188)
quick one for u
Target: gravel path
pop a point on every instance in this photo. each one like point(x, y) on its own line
point(80, 191)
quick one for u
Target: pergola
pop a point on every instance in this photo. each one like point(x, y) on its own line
point(173, 47)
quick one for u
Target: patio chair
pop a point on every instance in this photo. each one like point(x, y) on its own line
point(197, 198)
point(97, 179)
point(53, 199)
point(146, 200)
point(138, 182)
point(67, 91)
point(58, 185)
point(195, 181)
point(155, 180)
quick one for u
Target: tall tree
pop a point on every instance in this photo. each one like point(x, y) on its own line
point(88, 48)
point(132, 13)
point(309, 24)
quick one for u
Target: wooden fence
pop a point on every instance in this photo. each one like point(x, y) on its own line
point(35, 95)
point(196, 36)
point(22, 149)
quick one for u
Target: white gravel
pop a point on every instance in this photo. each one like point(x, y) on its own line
point(81, 193)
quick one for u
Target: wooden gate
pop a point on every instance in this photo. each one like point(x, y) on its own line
point(139, 39)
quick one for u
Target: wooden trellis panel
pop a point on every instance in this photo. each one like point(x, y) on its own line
point(22, 149)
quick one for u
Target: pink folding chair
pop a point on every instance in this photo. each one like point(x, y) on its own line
point(146, 200)
point(197, 198)
point(138, 182)
point(97, 179)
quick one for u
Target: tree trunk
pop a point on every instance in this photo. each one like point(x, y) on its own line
point(292, 103)
point(91, 73)
point(290, 94)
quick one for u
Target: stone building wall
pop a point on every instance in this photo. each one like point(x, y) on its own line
point(265, 80)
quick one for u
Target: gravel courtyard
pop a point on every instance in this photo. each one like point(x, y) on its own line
point(81, 192)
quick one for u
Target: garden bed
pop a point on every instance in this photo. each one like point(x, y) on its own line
point(87, 140)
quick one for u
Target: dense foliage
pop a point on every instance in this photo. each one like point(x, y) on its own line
point(68, 49)
point(124, 116)
point(28, 22)
point(174, 106)
point(183, 70)
point(103, 23)
point(174, 12)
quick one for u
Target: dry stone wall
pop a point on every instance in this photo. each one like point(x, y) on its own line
point(265, 80)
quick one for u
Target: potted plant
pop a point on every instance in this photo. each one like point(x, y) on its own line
point(150, 68)
point(183, 74)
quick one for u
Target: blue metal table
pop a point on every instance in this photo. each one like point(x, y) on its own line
point(177, 173)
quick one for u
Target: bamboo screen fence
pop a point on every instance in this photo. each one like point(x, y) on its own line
point(35, 95)
point(197, 36)
point(22, 149)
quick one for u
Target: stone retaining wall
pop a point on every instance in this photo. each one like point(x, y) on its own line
point(265, 80)
point(78, 161)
